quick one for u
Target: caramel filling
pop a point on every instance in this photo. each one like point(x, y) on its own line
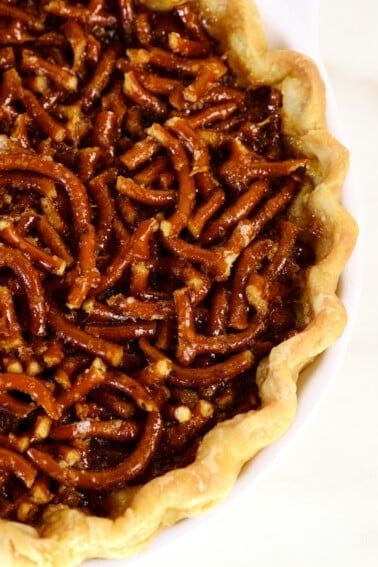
point(147, 260)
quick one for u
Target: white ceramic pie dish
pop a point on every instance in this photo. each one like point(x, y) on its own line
point(288, 24)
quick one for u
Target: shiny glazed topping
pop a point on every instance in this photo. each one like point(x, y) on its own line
point(147, 262)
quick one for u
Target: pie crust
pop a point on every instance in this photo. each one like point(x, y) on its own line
point(69, 536)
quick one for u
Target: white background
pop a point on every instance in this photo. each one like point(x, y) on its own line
point(318, 505)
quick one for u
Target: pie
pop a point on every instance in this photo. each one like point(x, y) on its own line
point(171, 241)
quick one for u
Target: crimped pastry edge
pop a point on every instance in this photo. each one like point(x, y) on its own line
point(68, 536)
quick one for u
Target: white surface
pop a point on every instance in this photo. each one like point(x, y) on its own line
point(318, 505)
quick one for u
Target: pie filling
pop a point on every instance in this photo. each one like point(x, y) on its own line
point(148, 260)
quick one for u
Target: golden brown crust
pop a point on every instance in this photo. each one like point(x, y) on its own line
point(68, 536)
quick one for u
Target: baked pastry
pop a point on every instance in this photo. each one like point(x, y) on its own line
point(171, 242)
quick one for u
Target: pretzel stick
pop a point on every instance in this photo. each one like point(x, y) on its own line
point(205, 212)
point(13, 442)
point(19, 409)
point(53, 353)
point(30, 280)
point(28, 182)
point(20, 132)
point(141, 96)
point(124, 332)
point(113, 402)
point(128, 385)
point(10, 329)
point(100, 312)
point(63, 77)
point(283, 257)
point(218, 311)
point(44, 260)
point(237, 174)
point(191, 344)
point(155, 372)
point(13, 84)
point(10, 161)
point(18, 465)
point(215, 260)
point(115, 429)
point(121, 259)
point(152, 197)
point(50, 236)
point(54, 217)
point(105, 135)
point(136, 247)
point(238, 210)
point(165, 60)
point(198, 283)
point(111, 477)
point(145, 310)
point(114, 99)
point(209, 73)
point(157, 84)
point(186, 194)
point(197, 377)
point(110, 352)
point(100, 78)
point(180, 435)
point(139, 276)
point(219, 94)
point(93, 19)
point(12, 339)
point(212, 114)
point(34, 388)
point(193, 142)
point(140, 153)
point(78, 40)
point(152, 173)
point(15, 34)
point(26, 223)
point(190, 20)
point(143, 29)
point(87, 275)
point(248, 261)
point(88, 160)
point(247, 230)
point(263, 294)
point(127, 17)
point(188, 47)
point(20, 15)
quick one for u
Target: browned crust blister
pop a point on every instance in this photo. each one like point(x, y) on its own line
point(68, 536)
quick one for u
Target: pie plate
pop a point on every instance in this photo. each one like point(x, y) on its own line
point(289, 24)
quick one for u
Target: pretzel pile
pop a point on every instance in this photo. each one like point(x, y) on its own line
point(147, 260)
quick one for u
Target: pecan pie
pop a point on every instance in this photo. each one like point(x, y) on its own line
point(171, 240)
